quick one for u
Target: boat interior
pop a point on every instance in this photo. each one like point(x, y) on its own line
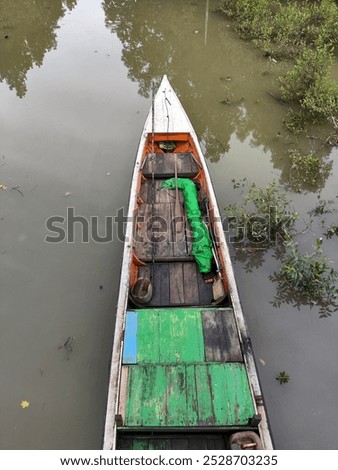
point(163, 245)
point(181, 350)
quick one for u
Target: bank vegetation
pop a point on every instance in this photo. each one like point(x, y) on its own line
point(305, 35)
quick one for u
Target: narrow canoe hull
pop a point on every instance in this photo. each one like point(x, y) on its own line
point(182, 360)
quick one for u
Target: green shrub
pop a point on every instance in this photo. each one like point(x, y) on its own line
point(322, 24)
point(299, 24)
point(309, 84)
point(287, 35)
point(282, 28)
point(306, 31)
point(321, 99)
point(309, 67)
point(254, 17)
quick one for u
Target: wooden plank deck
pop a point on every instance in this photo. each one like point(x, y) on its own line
point(167, 252)
point(163, 165)
point(158, 441)
point(220, 336)
point(219, 395)
point(156, 237)
point(176, 284)
point(183, 367)
point(190, 335)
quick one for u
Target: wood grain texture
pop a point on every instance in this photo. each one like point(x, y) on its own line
point(164, 166)
point(157, 395)
point(221, 339)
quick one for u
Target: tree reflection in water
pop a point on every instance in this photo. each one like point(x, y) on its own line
point(218, 78)
point(27, 33)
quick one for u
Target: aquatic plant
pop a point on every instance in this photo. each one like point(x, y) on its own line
point(331, 231)
point(307, 278)
point(308, 172)
point(323, 207)
point(296, 122)
point(264, 217)
point(283, 377)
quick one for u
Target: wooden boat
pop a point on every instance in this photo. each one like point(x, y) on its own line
point(183, 374)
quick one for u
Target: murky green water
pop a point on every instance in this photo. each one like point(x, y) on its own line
point(74, 94)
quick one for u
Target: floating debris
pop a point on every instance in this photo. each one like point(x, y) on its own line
point(31, 190)
point(17, 188)
point(226, 102)
point(3, 186)
point(24, 404)
point(67, 347)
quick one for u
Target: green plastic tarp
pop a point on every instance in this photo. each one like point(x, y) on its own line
point(202, 245)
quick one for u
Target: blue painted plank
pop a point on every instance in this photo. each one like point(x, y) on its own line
point(130, 339)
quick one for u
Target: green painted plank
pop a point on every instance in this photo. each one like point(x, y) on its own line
point(153, 402)
point(172, 337)
point(167, 336)
point(146, 396)
point(191, 395)
point(176, 396)
point(148, 339)
point(241, 390)
point(185, 395)
point(231, 394)
point(135, 388)
point(181, 337)
point(204, 396)
point(224, 399)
